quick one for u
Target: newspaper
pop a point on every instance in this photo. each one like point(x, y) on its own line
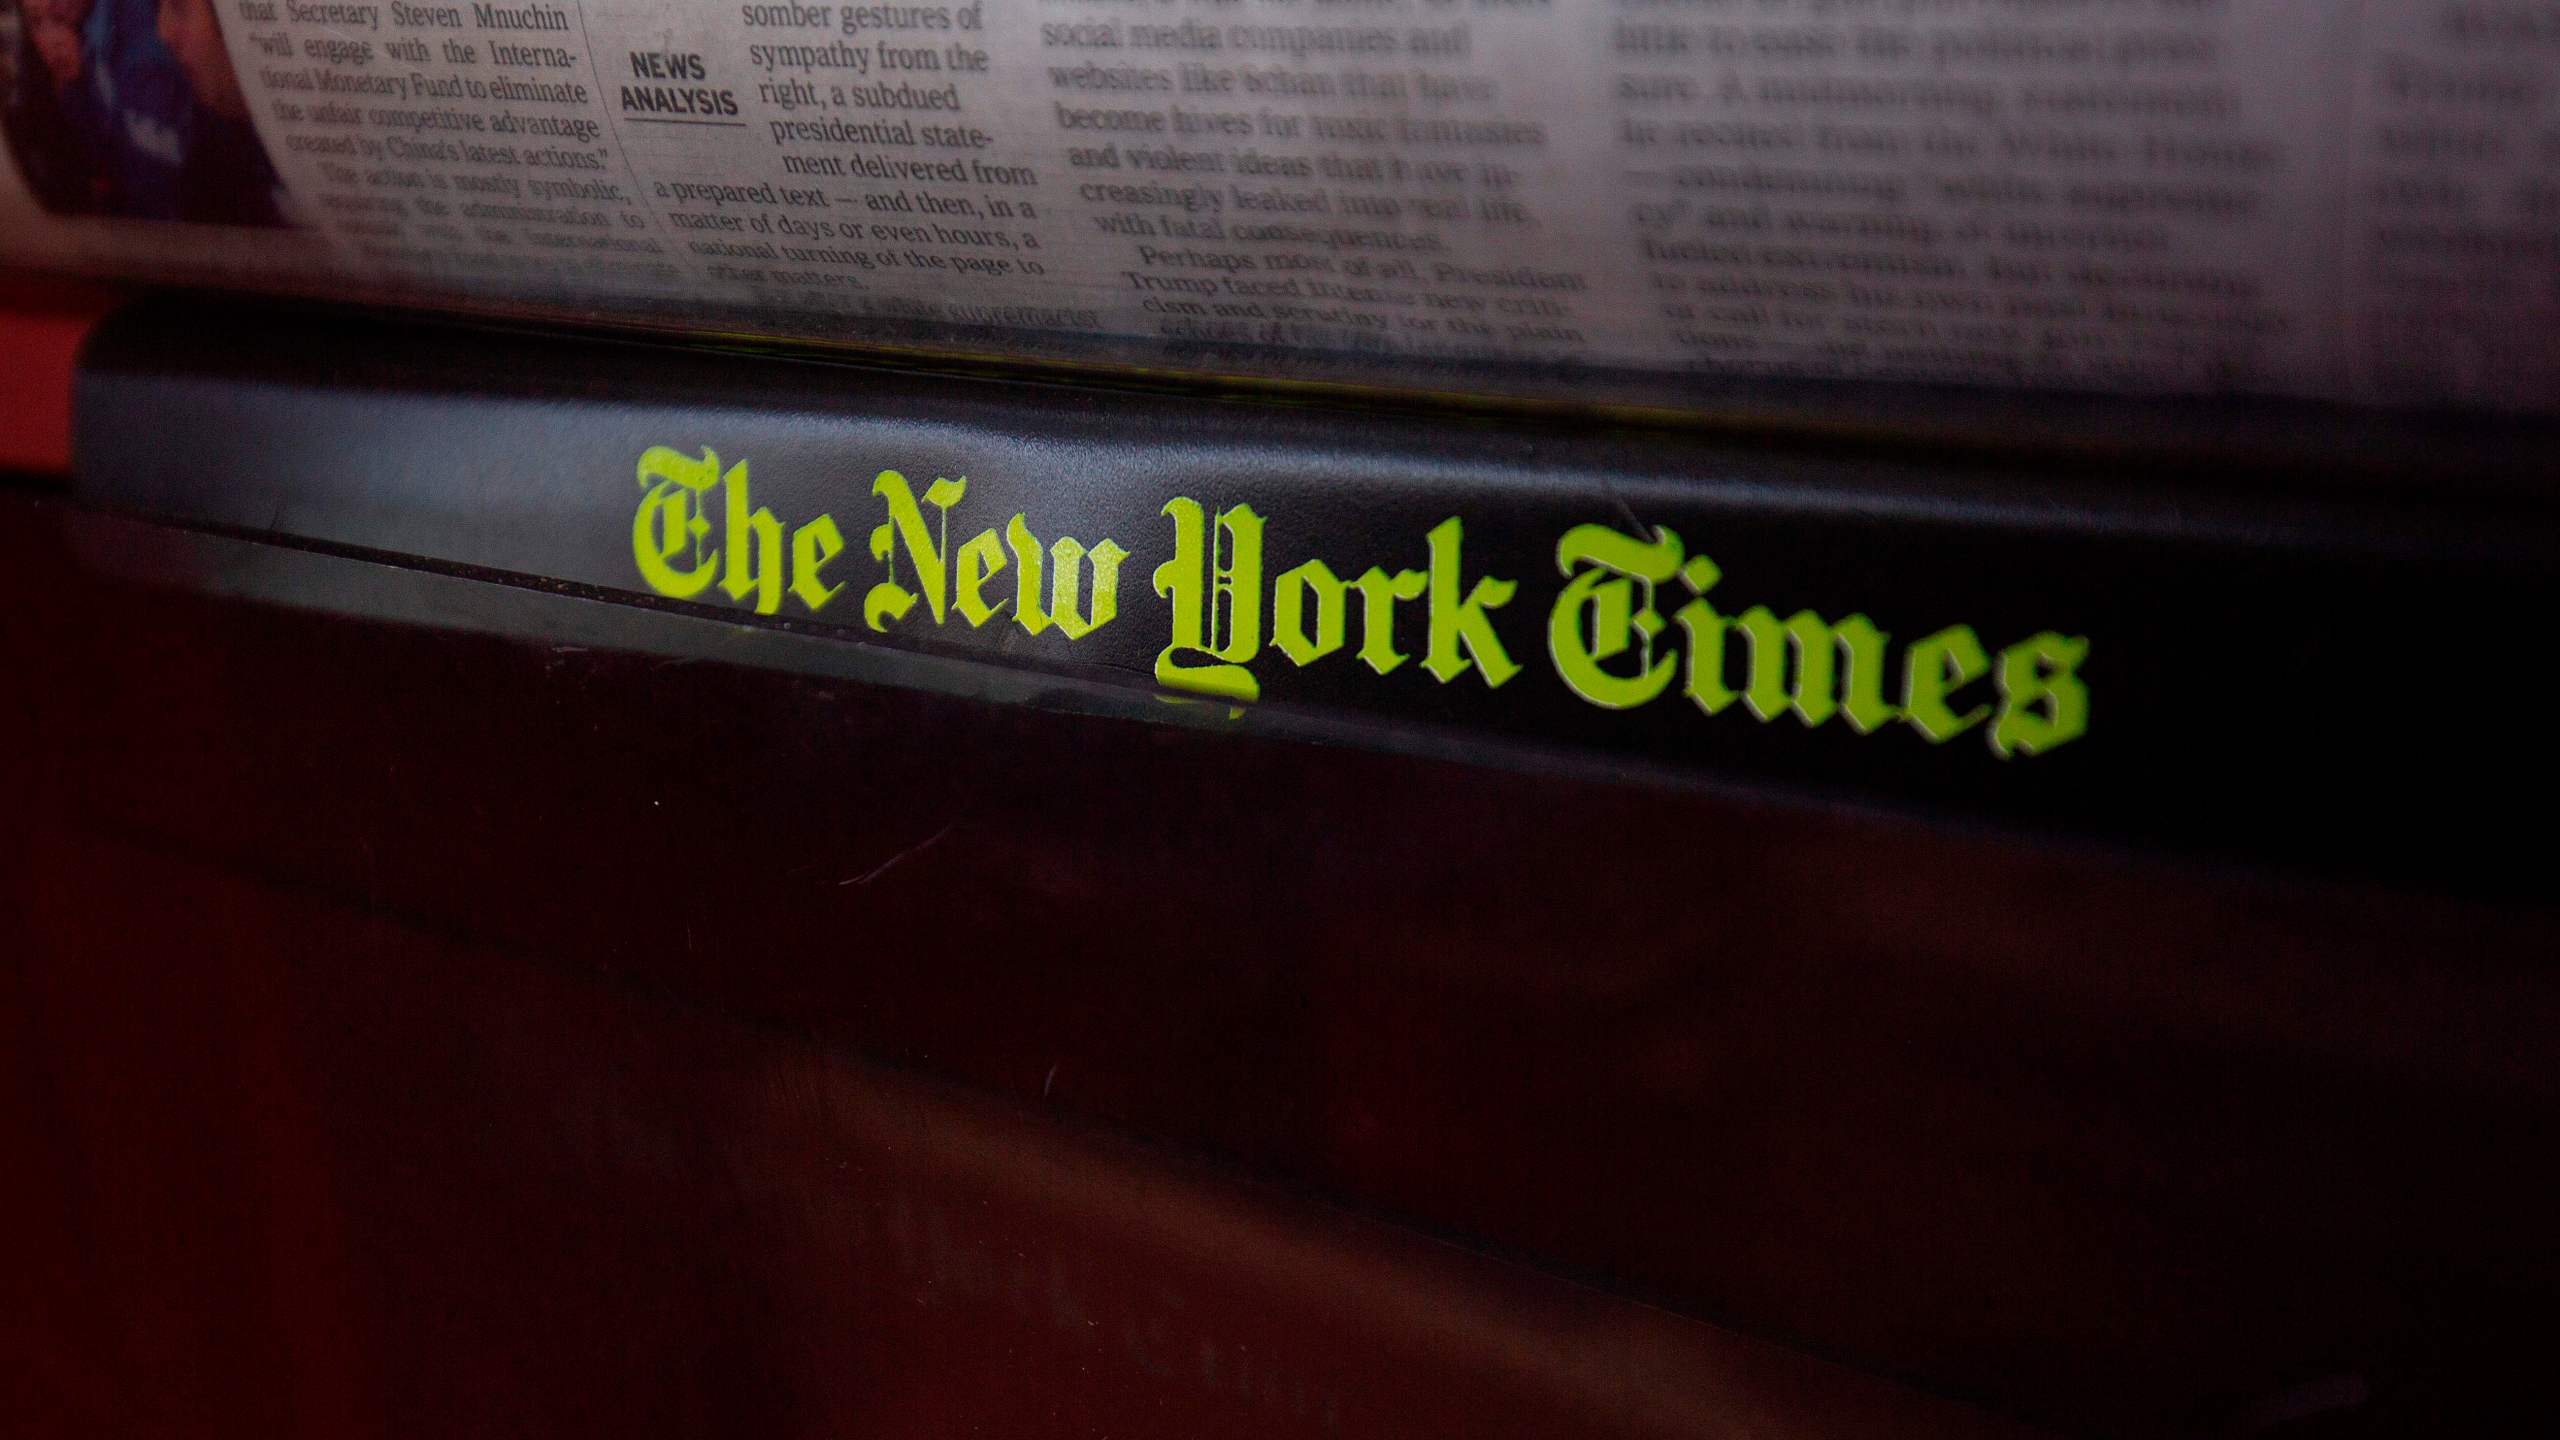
point(2315, 198)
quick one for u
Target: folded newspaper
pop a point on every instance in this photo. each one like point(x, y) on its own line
point(2312, 198)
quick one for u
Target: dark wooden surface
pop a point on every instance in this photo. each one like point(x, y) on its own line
point(423, 1031)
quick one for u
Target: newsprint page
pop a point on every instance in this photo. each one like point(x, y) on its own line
point(2311, 198)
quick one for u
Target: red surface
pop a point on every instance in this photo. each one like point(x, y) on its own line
point(42, 322)
point(312, 1171)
